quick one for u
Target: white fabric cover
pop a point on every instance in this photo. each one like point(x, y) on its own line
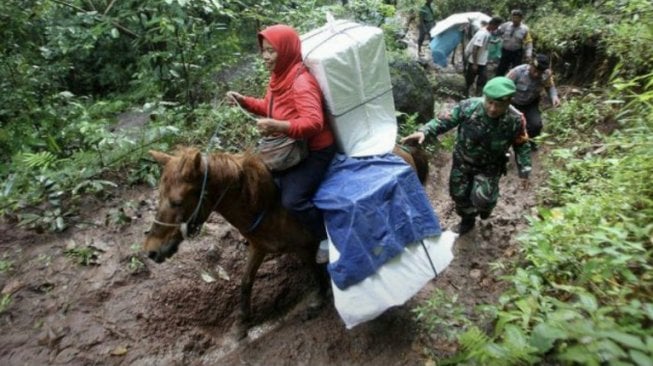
point(473, 17)
point(395, 282)
point(348, 60)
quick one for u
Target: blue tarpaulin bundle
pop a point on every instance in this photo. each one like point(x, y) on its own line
point(444, 43)
point(373, 207)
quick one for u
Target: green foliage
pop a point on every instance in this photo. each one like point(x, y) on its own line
point(589, 39)
point(373, 12)
point(5, 301)
point(576, 116)
point(630, 35)
point(82, 255)
point(441, 314)
point(572, 31)
point(135, 265)
point(5, 265)
point(231, 129)
point(91, 150)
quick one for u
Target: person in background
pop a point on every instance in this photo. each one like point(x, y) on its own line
point(293, 106)
point(487, 127)
point(426, 22)
point(476, 53)
point(531, 79)
point(517, 43)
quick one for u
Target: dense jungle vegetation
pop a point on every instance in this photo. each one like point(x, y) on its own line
point(89, 86)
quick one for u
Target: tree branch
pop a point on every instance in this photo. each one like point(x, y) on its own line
point(109, 7)
point(69, 5)
point(125, 29)
point(90, 3)
point(120, 27)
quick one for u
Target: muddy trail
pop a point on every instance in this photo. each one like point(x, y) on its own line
point(86, 297)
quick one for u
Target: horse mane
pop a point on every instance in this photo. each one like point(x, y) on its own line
point(244, 170)
point(188, 168)
point(258, 183)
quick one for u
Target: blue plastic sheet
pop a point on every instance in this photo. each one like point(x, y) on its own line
point(373, 207)
point(444, 43)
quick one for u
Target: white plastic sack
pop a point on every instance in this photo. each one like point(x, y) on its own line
point(348, 60)
point(474, 18)
point(395, 282)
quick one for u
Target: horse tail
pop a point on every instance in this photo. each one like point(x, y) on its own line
point(420, 159)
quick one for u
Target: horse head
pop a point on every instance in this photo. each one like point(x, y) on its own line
point(181, 194)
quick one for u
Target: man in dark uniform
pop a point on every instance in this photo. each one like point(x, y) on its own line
point(426, 22)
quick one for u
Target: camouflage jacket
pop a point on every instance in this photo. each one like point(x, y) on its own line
point(482, 142)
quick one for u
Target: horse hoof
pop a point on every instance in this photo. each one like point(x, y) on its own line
point(314, 305)
point(239, 332)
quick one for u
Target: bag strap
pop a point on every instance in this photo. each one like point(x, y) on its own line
point(270, 106)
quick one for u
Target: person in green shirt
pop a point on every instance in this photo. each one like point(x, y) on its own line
point(487, 127)
point(426, 22)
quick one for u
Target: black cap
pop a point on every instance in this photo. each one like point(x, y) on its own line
point(541, 62)
point(496, 21)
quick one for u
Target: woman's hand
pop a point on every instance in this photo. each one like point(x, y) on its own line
point(269, 126)
point(234, 98)
point(418, 136)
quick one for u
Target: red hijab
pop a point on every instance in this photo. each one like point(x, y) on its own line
point(286, 42)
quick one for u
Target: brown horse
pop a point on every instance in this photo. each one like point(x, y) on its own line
point(242, 190)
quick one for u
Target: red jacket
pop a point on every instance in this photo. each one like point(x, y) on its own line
point(300, 105)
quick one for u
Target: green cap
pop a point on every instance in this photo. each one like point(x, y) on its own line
point(500, 88)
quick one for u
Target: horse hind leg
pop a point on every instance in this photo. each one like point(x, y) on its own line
point(317, 299)
point(254, 260)
point(322, 277)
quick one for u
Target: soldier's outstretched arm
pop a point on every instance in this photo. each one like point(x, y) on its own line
point(438, 125)
point(443, 122)
point(417, 136)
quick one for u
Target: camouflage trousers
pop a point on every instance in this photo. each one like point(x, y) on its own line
point(475, 192)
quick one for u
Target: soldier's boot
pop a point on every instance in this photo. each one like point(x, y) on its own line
point(484, 215)
point(466, 225)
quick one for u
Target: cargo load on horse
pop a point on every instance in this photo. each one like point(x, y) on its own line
point(409, 247)
point(382, 211)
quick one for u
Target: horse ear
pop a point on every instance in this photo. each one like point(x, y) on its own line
point(160, 157)
point(190, 165)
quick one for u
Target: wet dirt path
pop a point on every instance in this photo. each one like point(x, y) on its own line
point(126, 310)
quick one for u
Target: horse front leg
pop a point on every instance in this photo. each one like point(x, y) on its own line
point(254, 260)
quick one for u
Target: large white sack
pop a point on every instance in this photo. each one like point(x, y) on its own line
point(348, 60)
point(474, 18)
point(394, 282)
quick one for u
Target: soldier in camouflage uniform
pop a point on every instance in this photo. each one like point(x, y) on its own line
point(487, 128)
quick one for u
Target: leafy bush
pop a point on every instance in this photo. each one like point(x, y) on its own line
point(593, 38)
point(576, 116)
point(630, 35)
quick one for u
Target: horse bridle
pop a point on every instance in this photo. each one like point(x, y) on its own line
point(183, 226)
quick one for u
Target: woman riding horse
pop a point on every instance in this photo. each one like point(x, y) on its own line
point(293, 106)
